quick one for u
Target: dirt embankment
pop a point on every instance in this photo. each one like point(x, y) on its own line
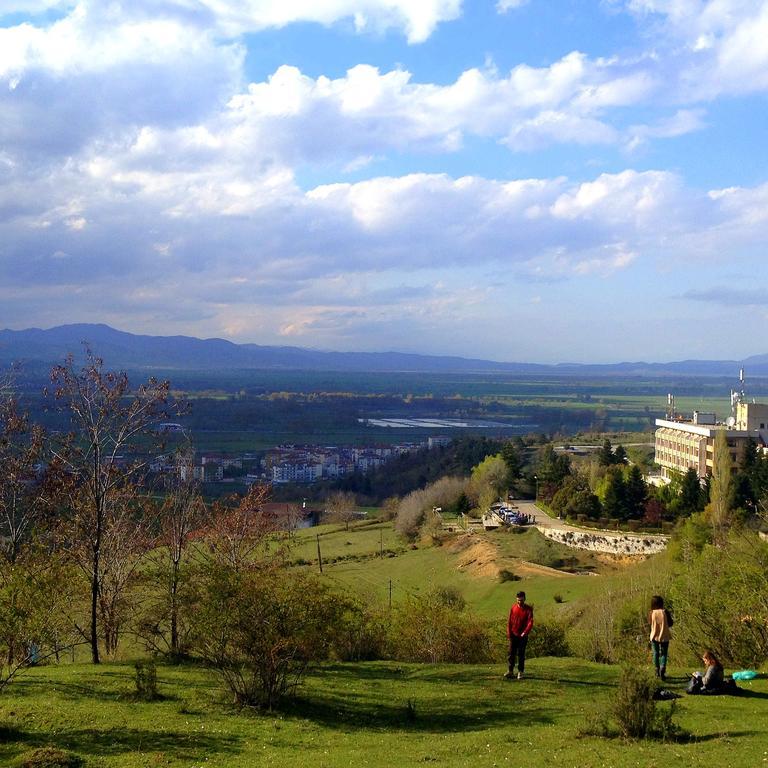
point(480, 558)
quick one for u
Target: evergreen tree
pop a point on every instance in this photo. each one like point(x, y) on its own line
point(514, 461)
point(620, 455)
point(635, 492)
point(551, 470)
point(605, 454)
point(749, 481)
point(614, 503)
point(691, 496)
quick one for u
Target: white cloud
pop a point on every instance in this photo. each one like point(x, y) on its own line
point(35, 6)
point(137, 165)
point(559, 128)
point(248, 252)
point(684, 121)
point(502, 6)
point(713, 47)
point(417, 18)
point(368, 112)
point(97, 39)
point(151, 67)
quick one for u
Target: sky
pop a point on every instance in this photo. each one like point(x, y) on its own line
point(516, 180)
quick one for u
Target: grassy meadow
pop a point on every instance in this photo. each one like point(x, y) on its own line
point(374, 714)
point(388, 713)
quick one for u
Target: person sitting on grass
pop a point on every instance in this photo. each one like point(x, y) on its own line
point(712, 681)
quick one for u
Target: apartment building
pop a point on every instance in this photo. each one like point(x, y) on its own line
point(681, 444)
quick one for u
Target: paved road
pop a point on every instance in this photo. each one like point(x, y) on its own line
point(543, 520)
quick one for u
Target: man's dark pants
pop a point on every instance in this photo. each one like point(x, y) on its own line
point(517, 651)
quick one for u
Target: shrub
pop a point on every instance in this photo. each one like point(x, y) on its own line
point(738, 630)
point(557, 597)
point(361, 634)
point(450, 597)
point(611, 627)
point(507, 575)
point(634, 708)
point(146, 681)
point(416, 508)
point(547, 639)
point(259, 628)
point(50, 757)
point(430, 629)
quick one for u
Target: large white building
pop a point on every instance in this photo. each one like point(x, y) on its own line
point(681, 443)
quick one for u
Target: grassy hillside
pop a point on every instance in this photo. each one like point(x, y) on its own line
point(386, 713)
point(359, 715)
point(471, 564)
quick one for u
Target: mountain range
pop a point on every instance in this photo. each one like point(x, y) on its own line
point(36, 347)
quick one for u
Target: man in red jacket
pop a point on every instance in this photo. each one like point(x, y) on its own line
point(518, 627)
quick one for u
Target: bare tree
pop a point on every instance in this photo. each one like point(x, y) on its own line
point(22, 491)
point(182, 515)
point(107, 421)
point(340, 507)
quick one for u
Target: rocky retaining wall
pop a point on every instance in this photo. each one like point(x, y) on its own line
point(625, 544)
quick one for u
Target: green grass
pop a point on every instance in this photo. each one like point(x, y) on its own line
point(383, 713)
point(352, 564)
point(365, 539)
point(358, 714)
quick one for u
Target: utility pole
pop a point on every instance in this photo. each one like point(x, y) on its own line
point(319, 556)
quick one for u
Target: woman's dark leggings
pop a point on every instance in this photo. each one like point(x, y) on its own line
point(660, 651)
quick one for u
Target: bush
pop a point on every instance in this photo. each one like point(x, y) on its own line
point(415, 510)
point(547, 639)
point(430, 629)
point(507, 575)
point(737, 630)
point(146, 681)
point(361, 634)
point(259, 628)
point(450, 597)
point(50, 757)
point(612, 627)
point(635, 711)
point(633, 705)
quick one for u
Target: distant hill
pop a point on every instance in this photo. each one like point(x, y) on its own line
point(37, 348)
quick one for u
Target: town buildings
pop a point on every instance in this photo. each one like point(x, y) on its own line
point(288, 463)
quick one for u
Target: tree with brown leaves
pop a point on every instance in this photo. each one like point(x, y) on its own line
point(240, 532)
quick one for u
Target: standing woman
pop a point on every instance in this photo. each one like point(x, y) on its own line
point(660, 622)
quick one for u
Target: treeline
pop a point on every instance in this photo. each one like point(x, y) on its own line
point(404, 473)
point(607, 486)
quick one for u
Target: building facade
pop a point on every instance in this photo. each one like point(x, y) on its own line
point(683, 444)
